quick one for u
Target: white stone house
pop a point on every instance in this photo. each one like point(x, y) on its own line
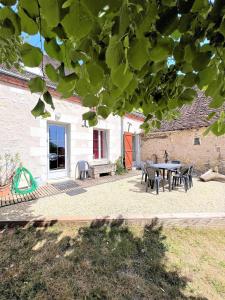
point(50, 148)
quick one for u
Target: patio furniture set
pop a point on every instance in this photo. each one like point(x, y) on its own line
point(172, 172)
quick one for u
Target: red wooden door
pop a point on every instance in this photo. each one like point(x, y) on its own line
point(128, 150)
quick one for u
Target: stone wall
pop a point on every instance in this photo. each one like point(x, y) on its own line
point(180, 146)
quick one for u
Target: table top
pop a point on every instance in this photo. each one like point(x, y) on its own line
point(166, 166)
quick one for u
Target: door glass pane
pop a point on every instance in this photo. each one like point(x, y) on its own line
point(61, 134)
point(53, 147)
point(52, 133)
point(61, 162)
point(56, 147)
point(53, 164)
point(61, 148)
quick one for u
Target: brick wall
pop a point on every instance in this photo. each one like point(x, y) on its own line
point(180, 146)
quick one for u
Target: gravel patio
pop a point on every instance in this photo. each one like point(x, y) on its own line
point(123, 198)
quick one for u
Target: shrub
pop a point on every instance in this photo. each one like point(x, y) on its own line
point(120, 167)
point(8, 165)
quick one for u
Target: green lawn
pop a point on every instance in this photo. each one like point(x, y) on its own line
point(112, 261)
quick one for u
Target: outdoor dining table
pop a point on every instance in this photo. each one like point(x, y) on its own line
point(166, 166)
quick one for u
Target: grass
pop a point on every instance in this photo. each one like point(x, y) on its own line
point(112, 261)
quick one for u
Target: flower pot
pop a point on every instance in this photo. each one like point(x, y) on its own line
point(4, 190)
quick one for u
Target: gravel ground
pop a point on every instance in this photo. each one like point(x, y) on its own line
point(126, 198)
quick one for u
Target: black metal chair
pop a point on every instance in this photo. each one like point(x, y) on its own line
point(181, 177)
point(146, 164)
point(175, 171)
point(175, 162)
point(143, 170)
point(83, 169)
point(149, 163)
point(153, 179)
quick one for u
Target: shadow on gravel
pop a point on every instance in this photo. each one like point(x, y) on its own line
point(103, 261)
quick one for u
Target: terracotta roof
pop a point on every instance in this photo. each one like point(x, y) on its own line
point(192, 116)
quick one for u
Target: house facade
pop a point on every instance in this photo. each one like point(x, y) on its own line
point(50, 148)
point(184, 139)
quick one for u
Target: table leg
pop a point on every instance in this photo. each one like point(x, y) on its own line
point(170, 180)
point(163, 179)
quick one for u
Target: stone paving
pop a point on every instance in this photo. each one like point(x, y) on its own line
point(125, 198)
point(69, 186)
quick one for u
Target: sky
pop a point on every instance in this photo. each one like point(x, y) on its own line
point(32, 39)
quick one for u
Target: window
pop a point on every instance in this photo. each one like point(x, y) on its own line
point(99, 144)
point(196, 141)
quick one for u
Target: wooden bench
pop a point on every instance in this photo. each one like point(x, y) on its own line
point(97, 170)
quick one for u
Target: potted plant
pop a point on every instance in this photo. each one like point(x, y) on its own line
point(8, 165)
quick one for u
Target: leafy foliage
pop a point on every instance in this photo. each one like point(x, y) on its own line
point(8, 164)
point(10, 54)
point(31, 56)
point(122, 55)
point(51, 73)
point(36, 85)
point(120, 170)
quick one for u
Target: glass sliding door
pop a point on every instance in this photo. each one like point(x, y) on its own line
point(57, 150)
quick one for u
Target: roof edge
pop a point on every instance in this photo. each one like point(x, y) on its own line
point(21, 81)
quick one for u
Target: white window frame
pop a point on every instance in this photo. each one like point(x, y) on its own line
point(99, 145)
point(60, 173)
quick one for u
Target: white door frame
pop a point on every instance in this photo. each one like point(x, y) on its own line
point(61, 173)
point(136, 162)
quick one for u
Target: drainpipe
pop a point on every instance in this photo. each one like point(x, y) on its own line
point(121, 133)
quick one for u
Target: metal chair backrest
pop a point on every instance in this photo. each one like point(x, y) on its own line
point(149, 163)
point(175, 161)
point(151, 172)
point(190, 170)
point(143, 165)
point(184, 171)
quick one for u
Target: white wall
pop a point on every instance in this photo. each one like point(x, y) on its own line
point(134, 127)
point(21, 132)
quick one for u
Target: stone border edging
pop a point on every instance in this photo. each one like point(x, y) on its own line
point(167, 220)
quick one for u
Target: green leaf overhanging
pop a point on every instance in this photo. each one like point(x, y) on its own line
point(37, 85)
point(119, 56)
point(51, 73)
point(31, 55)
point(48, 99)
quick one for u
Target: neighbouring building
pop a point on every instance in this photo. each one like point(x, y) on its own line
point(50, 148)
point(184, 140)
